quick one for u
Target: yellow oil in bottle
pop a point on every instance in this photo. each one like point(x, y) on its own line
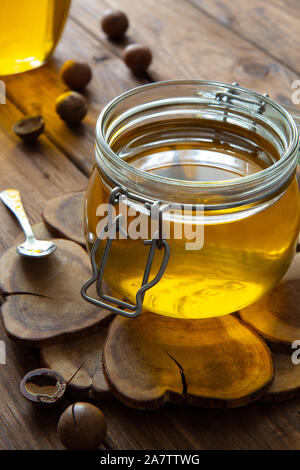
point(29, 31)
point(242, 257)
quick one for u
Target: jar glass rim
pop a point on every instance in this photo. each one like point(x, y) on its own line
point(264, 173)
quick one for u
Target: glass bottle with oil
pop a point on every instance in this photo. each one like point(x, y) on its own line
point(29, 32)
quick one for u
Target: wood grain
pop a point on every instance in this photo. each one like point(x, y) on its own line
point(231, 59)
point(271, 26)
point(84, 354)
point(286, 384)
point(276, 316)
point(186, 43)
point(63, 215)
point(110, 78)
point(43, 304)
point(37, 171)
point(213, 363)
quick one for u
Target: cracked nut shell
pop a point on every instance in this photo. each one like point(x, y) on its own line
point(29, 128)
point(71, 107)
point(114, 23)
point(76, 75)
point(44, 387)
point(137, 58)
point(82, 426)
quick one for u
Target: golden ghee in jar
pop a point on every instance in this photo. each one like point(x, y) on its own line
point(250, 220)
point(29, 32)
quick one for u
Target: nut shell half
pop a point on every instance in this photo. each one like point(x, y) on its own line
point(44, 387)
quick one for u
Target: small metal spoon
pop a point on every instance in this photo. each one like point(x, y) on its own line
point(31, 247)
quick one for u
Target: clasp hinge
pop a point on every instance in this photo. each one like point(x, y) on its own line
point(233, 96)
point(158, 242)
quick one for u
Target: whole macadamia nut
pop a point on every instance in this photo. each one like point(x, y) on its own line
point(82, 426)
point(137, 58)
point(71, 107)
point(114, 23)
point(76, 75)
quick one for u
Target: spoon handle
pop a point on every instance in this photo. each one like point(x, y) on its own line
point(12, 199)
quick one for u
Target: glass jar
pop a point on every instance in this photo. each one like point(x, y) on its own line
point(29, 32)
point(223, 158)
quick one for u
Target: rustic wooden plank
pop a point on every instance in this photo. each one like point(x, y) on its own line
point(271, 26)
point(170, 31)
point(187, 43)
point(40, 173)
point(17, 154)
point(257, 426)
point(211, 50)
point(40, 88)
point(293, 6)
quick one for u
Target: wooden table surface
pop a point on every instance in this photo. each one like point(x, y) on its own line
point(255, 43)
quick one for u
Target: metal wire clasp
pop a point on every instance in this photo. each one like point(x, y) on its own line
point(232, 95)
point(120, 307)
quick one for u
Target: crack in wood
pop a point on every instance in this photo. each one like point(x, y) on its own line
point(9, 294)
point(182, 374)
point(76, 372)
point(101, 58)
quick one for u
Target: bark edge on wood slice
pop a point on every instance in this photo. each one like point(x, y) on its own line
point(63, 216)
point(219, 362)
point(276, 316)
point(43, 303)
point(286, 384)
point(85, 356)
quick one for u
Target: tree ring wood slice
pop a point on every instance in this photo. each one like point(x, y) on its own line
point(63, 216)
point(215, 362)
point(84, 354)
point(43, 303)
point(286, 384)
point(276, 316)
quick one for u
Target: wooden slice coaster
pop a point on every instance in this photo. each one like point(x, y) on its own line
point(85, 356)
point(63, 215)
point(276, 316)
point(286, 384)
point(43, 304)
point(216, 362)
